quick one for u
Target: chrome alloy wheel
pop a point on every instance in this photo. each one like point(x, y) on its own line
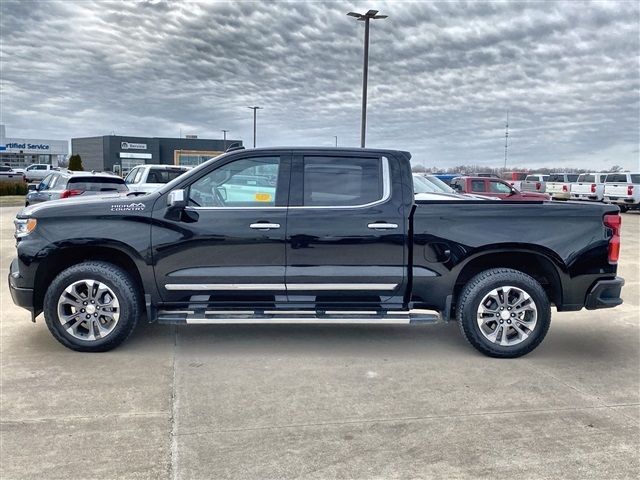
point(88, 310)
point(507, 316)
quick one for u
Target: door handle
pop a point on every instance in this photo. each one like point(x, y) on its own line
point(264, 226)
point(382, 226)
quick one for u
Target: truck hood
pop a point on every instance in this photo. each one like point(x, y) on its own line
point(112, 203)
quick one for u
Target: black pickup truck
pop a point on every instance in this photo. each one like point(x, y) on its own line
point(307, 235)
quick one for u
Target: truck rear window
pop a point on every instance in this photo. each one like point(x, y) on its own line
point(587, 178)
point(635, 178)
point(616, 178)
point(97, 184)
point(556, 178)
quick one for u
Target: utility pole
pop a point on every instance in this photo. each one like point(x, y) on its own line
point(365, 17)
point(336, 138)
point(224, 132)
point(255, 110)
point(506, 140)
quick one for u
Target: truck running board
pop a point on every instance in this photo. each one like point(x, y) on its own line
point(308, 317)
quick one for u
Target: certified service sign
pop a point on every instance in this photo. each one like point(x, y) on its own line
point(133, 146)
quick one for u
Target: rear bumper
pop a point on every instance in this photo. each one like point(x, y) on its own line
point(560, 195)
point(605, 294)
point(586, 196)
point(621, 200)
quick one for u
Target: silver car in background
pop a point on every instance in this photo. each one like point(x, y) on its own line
point(58, 185)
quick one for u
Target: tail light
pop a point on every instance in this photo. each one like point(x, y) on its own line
point(630, 190)
point(565, 188)
point(593, 188)
point(614, 222)
point(538, 185)
point(71, 193)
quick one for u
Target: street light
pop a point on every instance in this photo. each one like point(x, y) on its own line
point(365, 17)
point(225, 139)
point(255, 109)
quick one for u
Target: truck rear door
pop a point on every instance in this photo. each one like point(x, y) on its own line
point(346, 230)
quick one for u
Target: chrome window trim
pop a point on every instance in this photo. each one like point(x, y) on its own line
point(386, 194)
point(279, 286)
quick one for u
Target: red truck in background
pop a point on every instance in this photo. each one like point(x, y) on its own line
point(494, 187)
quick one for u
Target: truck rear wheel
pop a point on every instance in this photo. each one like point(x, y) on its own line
point(92, 307)
point(503, 313)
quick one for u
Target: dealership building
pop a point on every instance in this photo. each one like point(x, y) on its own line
point(121, 153)
point(22, 152)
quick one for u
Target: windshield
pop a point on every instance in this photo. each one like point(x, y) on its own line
point(439, 184)
point(422, 185)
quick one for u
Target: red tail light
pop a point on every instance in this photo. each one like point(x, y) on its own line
point(629, 190)
point(593, 188)
point(71, 193)
point(565, 188)
point(614, 222)
point(538, 185)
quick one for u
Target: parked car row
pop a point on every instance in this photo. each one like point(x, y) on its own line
point(59, 184)
point(8, 174)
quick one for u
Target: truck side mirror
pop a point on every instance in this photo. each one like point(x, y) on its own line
point(32, 187)
point(176, 199)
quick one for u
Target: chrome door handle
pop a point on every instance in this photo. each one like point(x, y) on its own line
point(382, 226)
point(264, 226)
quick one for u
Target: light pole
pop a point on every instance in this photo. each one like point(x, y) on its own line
point(365, 17)
point(224, 132)
point(255, 109)
point(336, 138)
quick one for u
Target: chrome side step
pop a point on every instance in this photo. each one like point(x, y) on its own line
point(303, 317)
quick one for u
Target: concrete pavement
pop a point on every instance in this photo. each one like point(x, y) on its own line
point(323, 402)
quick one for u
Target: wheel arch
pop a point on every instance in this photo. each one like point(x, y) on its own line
point(531, 262)
point(64, 257)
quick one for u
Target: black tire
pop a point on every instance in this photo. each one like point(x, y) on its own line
point(474, 292)
point(118, 280)
point(26, 204)
point(623, 208)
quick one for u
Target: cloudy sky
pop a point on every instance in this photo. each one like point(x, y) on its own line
point(442, 75)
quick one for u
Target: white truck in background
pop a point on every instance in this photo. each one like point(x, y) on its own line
point(147, 178)
point(589, 186)
point(559, 185)
point(37, 171)
point(623, 190)
point(536, 182)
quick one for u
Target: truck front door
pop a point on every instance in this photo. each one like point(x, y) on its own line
point(227, 245)
point(346, 231)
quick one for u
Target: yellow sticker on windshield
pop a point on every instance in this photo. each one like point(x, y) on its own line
point(263, 197)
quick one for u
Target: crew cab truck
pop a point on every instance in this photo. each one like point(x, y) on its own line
point(559, 185)
point(332, 236)
point(38, 171)
point(623, 190)
point(589, 186)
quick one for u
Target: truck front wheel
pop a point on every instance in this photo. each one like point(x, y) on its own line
point(503, 313)
point(92, 306)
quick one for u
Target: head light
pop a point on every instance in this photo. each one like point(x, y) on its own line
point(24, 226)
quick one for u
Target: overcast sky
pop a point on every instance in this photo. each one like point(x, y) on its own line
point(442, 76)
